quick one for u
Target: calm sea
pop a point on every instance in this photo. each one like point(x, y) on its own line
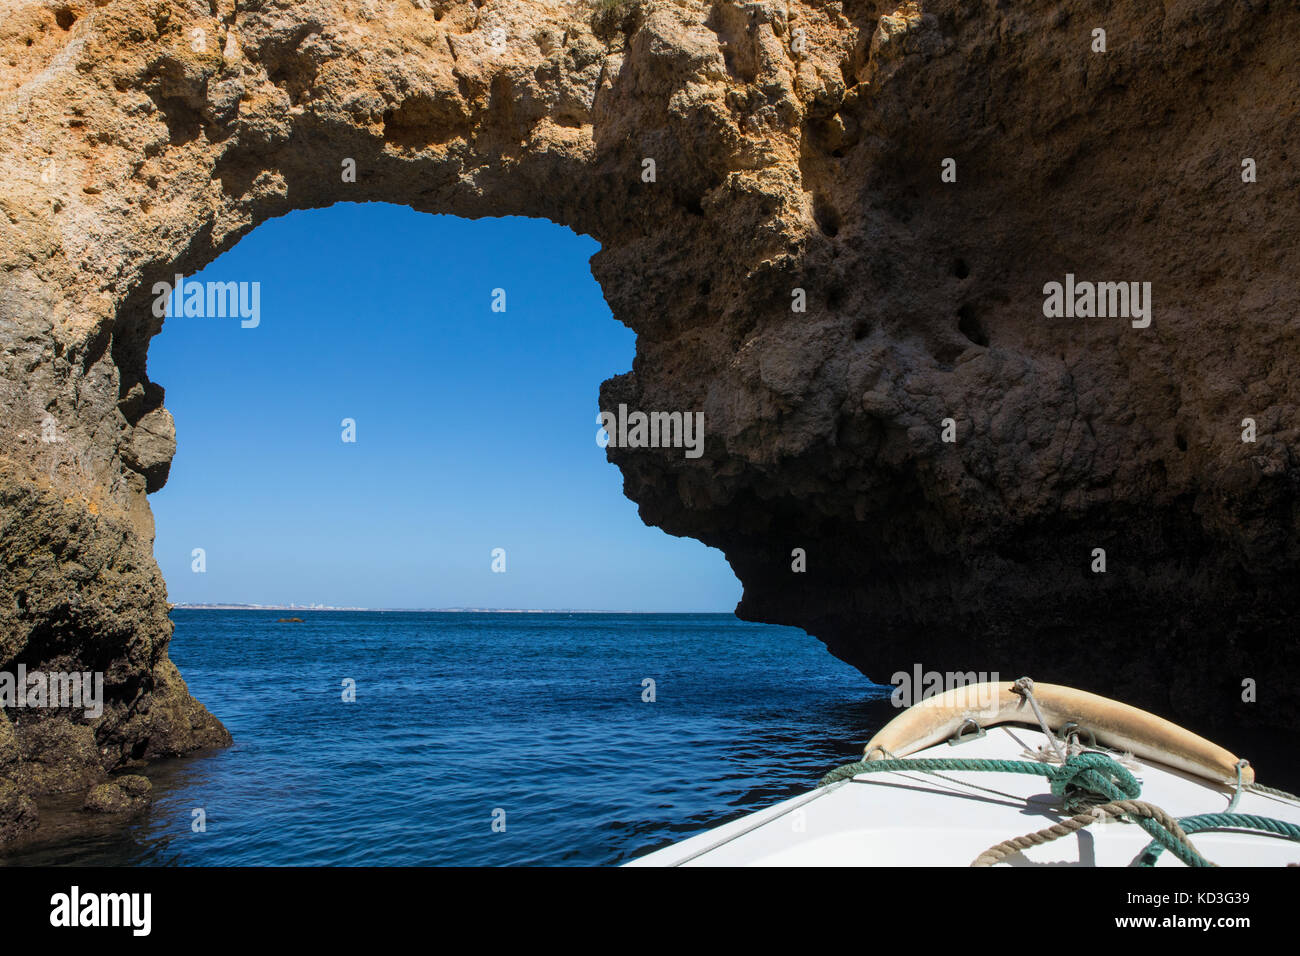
point(536, 721)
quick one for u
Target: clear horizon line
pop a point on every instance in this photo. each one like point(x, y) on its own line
point(236, 606)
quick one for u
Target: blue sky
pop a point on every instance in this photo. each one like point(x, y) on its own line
point(475, 429)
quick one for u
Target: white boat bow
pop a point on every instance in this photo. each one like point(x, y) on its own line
point(952, 817)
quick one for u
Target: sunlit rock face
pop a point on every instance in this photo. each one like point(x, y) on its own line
point(798, 160)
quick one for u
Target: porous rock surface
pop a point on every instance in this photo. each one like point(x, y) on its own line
point(796, 145)
point(124, 794)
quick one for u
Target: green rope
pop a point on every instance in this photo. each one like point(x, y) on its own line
point(1083, 781)
point(1241, 785)
point(930, 764)
point(1224, 821)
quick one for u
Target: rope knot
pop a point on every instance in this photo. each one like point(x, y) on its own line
point(1088, 779)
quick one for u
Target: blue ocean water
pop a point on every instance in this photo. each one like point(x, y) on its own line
point(460, 715)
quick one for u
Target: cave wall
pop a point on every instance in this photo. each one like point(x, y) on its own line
point(796, 146)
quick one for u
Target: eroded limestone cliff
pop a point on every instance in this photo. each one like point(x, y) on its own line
point(797, 145)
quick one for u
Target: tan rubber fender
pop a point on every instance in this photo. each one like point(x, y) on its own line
point(1115, 725)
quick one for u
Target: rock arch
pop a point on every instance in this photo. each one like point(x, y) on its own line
point(796, 145)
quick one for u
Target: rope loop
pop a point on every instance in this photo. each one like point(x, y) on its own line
point(1088, 779)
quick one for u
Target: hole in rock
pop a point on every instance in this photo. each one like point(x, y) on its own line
point(969, 325)
point(824, 214)
point(370, 441)
point(65, 18)
point(960, 269)
point(473, 428)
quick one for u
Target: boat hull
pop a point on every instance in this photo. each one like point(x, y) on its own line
point(909, 818)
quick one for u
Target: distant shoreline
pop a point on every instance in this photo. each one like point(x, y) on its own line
point(422, 610)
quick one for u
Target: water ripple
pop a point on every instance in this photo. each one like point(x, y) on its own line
point(459, 716)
